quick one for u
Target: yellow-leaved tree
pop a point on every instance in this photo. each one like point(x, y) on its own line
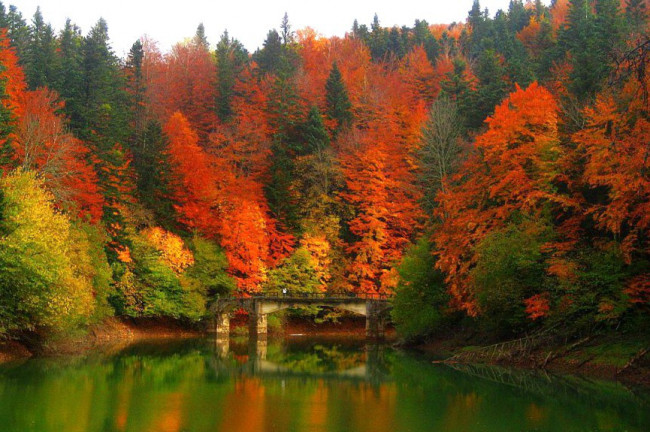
point(46, 283)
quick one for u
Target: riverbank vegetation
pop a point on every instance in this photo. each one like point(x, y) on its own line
point(492, 174)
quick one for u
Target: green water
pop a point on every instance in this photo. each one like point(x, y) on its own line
point(300, 385)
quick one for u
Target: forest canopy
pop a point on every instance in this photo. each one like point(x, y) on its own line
point(497, 169)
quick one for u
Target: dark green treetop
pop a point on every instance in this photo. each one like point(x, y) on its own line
point(338, 102)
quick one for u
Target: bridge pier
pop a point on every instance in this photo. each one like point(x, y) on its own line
point(257, 348)
point(222, 324)
point(222, 347)
point(375, 320)
point(257, 325)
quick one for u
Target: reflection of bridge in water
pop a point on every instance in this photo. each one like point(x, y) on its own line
point(373, 307)
point(372, 370)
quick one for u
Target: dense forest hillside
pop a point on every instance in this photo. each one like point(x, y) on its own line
point(495, 170)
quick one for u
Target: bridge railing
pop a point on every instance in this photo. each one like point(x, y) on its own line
point(289, 295)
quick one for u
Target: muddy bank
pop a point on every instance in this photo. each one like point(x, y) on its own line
point(111, 333)
point(12, 351)
point(611, 357)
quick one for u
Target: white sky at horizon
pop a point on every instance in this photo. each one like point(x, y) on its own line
point(171, 21)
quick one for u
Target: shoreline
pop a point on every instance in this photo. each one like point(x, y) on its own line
point(604, 357)
point(110, 333)
point(114, 333)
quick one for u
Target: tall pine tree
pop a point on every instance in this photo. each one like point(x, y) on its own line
point(338, 102)
point(231, 58)
point(40, 57)
point(70, 83)
point(106, 129)
point(200, 39)
point(17, 28)
point(135, 87)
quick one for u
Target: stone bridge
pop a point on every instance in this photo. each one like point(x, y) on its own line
point(374, 307)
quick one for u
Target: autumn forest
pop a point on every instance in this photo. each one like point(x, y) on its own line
point(492, 173)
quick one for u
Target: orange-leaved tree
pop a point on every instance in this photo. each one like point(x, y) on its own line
point(11, 74)
point(614, 148)
point(12, 87)
point(37, 139)
point(379, 178)
point(513, 169)
point(182, 81)
point(193, 186)
point(615, 145)
point(240, 152)
point(42, 144)
point(381, 188)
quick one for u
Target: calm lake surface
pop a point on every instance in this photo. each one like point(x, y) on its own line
point(300, 384)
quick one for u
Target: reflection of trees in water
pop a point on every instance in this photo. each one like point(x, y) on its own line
point(192, 386)
point(568, 387)
point(282, 359)
point(465, 395)
point(151, 389)
point(319, 359)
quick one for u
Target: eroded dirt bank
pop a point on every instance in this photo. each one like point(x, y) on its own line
point(111, 332)
point(612, 356)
